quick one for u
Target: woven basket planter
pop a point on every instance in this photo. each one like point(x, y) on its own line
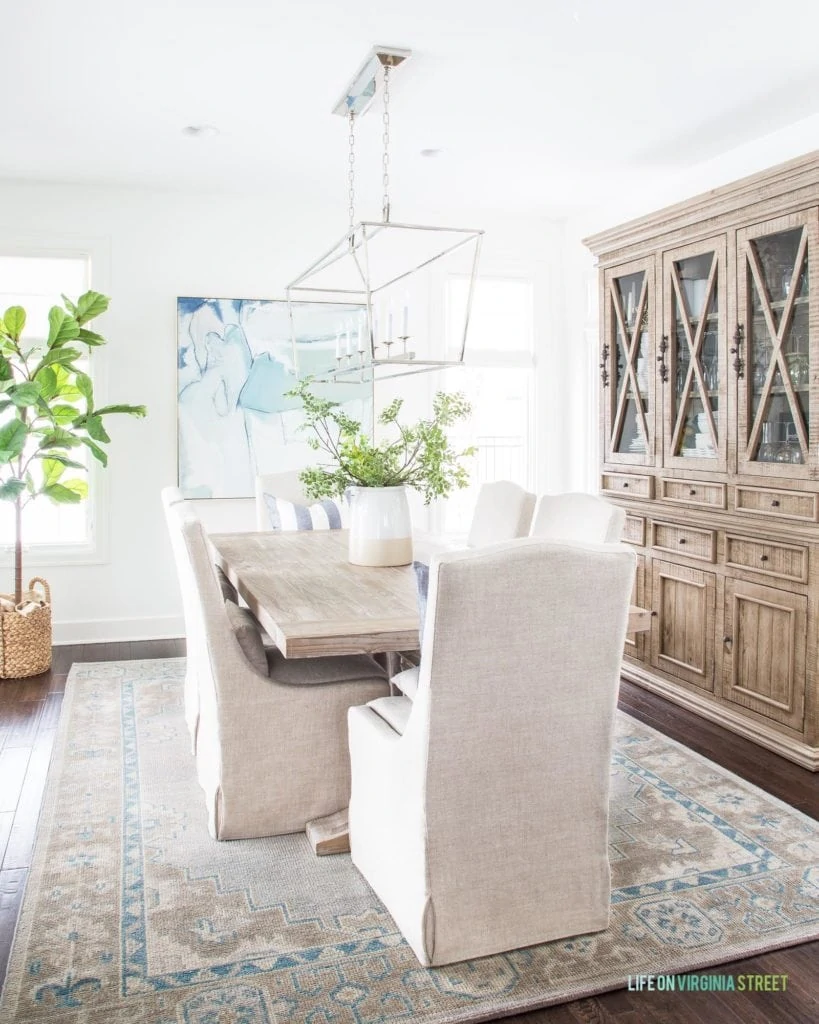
point(25, 633)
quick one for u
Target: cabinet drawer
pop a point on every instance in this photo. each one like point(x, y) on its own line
point(785, 561)
point(628, 484)
point(683, 540)
point(634, 532)
point(801, 505)
point(702, 493)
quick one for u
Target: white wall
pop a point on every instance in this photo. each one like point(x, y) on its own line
point(159, 245)
point(580, 326)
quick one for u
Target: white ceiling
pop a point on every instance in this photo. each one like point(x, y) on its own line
point(537, 104)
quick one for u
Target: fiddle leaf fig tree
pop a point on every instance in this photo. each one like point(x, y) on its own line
point(47, 410)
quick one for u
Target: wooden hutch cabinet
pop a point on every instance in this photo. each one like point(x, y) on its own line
point(709, 412)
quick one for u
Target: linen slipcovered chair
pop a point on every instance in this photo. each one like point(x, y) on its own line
point(578, 516)
point(503, 511)
point(280, 485)
point(174, 504)
point(271, 750)
point(479, 811)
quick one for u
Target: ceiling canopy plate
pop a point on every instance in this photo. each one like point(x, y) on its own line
point(362, 87)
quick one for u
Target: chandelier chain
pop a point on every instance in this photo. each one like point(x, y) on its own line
point(385, 119)
point(351, 171)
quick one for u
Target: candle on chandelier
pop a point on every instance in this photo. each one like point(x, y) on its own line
point(348, 340)
point(389, 326)
point(405, 328)
point(338, 346)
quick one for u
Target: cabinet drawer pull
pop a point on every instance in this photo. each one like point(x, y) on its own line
point(774, 503)
point(692, 492)
point(682, 540)
point(763, 558)
point(625, 485)
point(727, 640)
point(654, 615)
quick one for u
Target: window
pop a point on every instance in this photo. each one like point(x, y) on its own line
point(498, 380)
point(36, 283)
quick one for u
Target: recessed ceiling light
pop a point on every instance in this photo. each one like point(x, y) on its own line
point(431, 152)
point(200, 131)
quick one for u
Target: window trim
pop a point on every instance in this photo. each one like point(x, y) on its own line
point(95, 550)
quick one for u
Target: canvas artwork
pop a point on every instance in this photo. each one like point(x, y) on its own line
point(235, 365)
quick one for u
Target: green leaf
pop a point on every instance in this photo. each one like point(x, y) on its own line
point(12, 440)
point(91, 305)
point(24, 395)
point(15, 320)
point(86, 388)
point(63, 414)
point(59, 457)
point(62, 495)
point(77, 485)
point(62, 327)
point(90, 338)
point(98, 453)
point(6, 372)
point(96, 429)
point(47, 379)
point(62, 356)
point(9, 489)
point(69, 305)
point(58, 438)
point(131, 410)
point(53, 469)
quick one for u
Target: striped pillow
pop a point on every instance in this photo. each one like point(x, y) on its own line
point(323, 515)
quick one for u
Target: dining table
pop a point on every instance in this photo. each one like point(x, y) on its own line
point(312, 600)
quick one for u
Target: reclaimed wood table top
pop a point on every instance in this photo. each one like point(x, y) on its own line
point(313, 601)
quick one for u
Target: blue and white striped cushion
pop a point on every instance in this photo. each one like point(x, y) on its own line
point(323, 515)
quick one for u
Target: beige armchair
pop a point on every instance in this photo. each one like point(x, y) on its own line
point(479, 811)
point(503, 511)
point(271, 748)
point(578, 516)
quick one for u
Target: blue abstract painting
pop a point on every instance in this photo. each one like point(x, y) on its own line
point(235, 365)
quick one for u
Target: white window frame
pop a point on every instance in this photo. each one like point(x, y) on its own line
point(95, 550)
point(525, 359)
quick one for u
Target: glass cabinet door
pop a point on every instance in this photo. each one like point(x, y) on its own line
point(695, 427)
point(775, 346)
point(627, 364)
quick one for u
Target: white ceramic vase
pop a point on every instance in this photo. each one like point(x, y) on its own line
point(380, 527)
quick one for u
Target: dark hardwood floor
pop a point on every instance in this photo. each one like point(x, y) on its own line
point(30, 708)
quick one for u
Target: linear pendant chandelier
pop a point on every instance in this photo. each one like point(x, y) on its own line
point(386, 278)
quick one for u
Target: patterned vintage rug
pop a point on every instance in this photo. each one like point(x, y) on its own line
point(133, 914)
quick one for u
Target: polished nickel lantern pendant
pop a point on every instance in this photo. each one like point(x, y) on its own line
point(386, 277)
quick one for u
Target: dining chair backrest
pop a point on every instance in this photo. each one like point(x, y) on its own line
point(277, 485)
point(503, 511)
point(577, 516)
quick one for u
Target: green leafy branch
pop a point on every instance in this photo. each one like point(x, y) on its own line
point(420, 457)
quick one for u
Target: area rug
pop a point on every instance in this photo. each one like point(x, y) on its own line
point(133, 915)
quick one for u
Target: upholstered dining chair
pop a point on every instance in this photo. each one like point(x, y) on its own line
point(578, 516)
point(479, 811)
point(174, 504)
point(271, 748)
point(503, 511)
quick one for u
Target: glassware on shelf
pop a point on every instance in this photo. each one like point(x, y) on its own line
point(767, 449)
point(798, 369)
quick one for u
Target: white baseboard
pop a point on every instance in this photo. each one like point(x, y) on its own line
point(97, 631)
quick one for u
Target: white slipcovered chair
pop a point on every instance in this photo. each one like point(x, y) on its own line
point(174, 504)
point(280, 485)
point(578, 516)
point(479, 811)
point(503, 511)
point(271, 749)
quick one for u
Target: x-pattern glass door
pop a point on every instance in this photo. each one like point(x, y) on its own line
point(695, 434)
point(777, 300)
point(627, 367)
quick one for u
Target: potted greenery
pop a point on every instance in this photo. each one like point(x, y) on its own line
point(46, 411)
point(376, 473)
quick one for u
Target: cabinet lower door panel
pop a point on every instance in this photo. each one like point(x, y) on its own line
point(635, 642)
point(763, 664)
point(682, 637)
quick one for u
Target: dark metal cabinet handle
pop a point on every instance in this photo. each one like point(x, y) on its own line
point(625, 485)
point(682, 540)
point(774, 503)
point(604, 366)
point(654, 614)
point(736, 351)
point(727, 640)
point(661, 358)
point(763, 558)
point(692, 492)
